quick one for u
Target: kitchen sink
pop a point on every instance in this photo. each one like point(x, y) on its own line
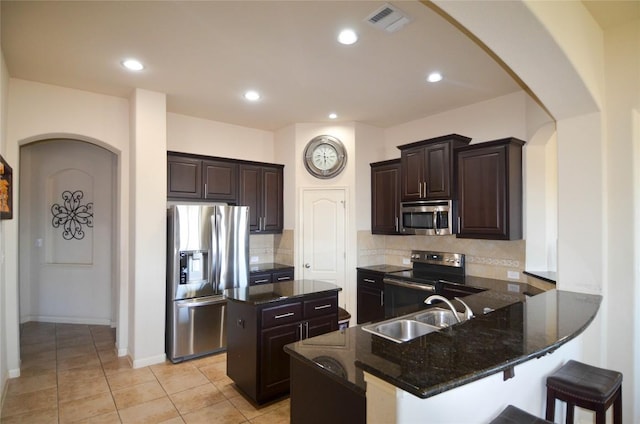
point(438, 317)
point(400, 330)
point(409, 327)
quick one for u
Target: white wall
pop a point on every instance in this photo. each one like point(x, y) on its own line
point(489, 120)
point(200, 136)
point(370, 148)
point(4, 320)
point(147, 289)
point(38, 111)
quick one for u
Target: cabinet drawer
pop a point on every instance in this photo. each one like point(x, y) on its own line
point(322, 306)
point(255, 279)
point(282, 314)
point(282, 276)
point(371, 280)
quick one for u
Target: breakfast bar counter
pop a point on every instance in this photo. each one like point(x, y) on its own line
point(513, 331)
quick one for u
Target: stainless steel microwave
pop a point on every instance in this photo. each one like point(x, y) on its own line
point(433, 218)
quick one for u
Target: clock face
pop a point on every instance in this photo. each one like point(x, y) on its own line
point(325, 156)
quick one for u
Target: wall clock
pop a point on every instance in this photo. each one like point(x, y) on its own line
point(325, 156)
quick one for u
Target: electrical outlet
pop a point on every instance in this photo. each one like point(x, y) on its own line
point(254, 259)
point(406, 261)
point(513, 275)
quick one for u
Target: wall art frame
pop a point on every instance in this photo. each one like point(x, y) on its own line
point(6, 190)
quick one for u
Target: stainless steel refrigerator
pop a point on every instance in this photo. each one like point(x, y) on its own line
point(207, 252)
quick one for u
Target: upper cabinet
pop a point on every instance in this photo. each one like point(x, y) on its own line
point(190, 177)
point(261, 189)
point(243, 183)
point(427, 168)
point(490, 190)
point(385, 197)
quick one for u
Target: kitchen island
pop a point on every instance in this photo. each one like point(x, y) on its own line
point(261, 319)
point(464, 373)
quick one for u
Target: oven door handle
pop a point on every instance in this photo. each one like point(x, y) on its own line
point(400, 283)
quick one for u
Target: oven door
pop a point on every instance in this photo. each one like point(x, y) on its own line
point(404, 297)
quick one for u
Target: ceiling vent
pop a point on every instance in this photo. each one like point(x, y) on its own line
point(388, 18)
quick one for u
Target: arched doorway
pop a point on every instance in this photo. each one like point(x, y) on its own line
point(67, 233)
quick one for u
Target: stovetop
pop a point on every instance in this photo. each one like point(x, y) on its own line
point(430, 267)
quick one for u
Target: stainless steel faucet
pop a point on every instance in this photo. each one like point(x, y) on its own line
point(468, 313)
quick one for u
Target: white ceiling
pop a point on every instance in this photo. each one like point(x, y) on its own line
point(205, 54)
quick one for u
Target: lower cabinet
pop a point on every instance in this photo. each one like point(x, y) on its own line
point(370, 296)
point(257, 334)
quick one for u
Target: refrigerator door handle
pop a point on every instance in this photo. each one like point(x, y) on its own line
point(215, 252)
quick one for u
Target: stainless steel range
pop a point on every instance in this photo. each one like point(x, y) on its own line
point(405, 291)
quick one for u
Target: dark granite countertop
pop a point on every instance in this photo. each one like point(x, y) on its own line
point(383, 268)
point(519, 328)
point(267, 267)
point(267, 293)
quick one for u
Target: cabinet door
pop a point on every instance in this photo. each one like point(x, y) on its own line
point(413, 163)
point(438, 171)
point(370, 304)
point(272, 217)
point(184, 178)
point(385, 198)
point(220, 180)
point(274, 362)
point(317, 326)
point(482, 193)
point(250, 194)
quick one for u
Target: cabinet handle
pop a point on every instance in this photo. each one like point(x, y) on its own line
point(300, 336)
point(284, 278)
point(317, 308)
point(288, 314)
point(369, 280)
point(381, 298)
point(306, 329)
point(397, 229)
point(424, 187)
point(419, 188)
point(261, 281)
point(459, 224)
point(205, 190)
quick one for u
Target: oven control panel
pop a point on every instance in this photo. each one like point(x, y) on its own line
point(438, 258)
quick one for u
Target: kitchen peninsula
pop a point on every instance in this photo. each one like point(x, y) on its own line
point(261, 319)
point(463, 373)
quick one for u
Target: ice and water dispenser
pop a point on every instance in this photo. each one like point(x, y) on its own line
point(193, 267)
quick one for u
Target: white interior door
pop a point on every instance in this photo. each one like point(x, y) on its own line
point(66, 233)
point(323, 237)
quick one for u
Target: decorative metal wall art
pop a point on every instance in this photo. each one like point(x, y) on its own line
point(72, 215)
point(6, 187)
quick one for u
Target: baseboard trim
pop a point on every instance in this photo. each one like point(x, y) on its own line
point(66, 320)
point(151, 360)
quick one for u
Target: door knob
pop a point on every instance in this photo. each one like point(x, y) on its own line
point(307, 265)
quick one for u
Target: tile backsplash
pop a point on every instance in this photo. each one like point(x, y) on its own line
point(265, 248)
point(484, 258)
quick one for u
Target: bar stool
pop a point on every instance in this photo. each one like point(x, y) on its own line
point(513, 415)
point(585, 386)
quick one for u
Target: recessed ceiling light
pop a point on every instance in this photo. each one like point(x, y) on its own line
point(347, 37)
point(133, 64)
point(434, 77)
point(252, 95)
point(333, 116)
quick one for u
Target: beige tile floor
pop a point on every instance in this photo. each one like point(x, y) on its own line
point(71, 374)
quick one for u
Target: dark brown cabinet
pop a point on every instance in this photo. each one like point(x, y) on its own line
point(370, 296)
point(190, 177)
point(427, 168)
point(385, 197)
point(275, 276)
point(261, 189)
point(490, 190)
point(257, 334)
